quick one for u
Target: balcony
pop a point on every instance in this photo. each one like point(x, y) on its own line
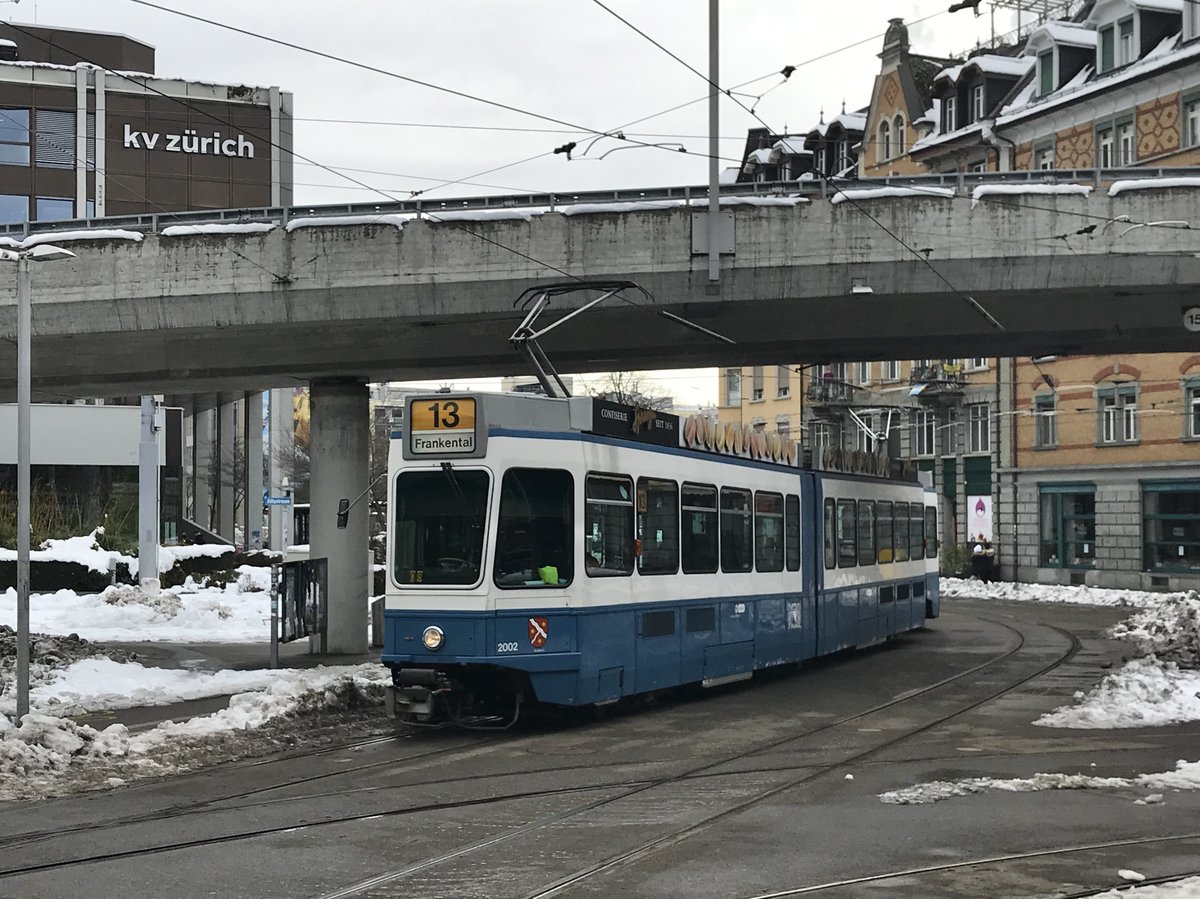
point(937, 380)
point(830, 393)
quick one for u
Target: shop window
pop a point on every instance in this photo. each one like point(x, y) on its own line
point(658, 526)
point(1171, 525)
point(608, 526)
point(700, 528)
point(768, 531)
point(14, 137)
point(737, 530)
point(1067, 526)
point(533, 534)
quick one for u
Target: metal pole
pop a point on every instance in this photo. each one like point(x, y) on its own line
point(714, 164)
point(24, 324)
point(148, 515)
point(274, 656)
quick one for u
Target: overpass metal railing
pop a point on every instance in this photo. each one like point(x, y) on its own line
point(961, 182)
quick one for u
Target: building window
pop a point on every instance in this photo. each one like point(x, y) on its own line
point(978, 167)
point(14, 137)
point(885, 141)
point(783, 382)
point(899, 137)
point(979, 437)
point(924, 433)
point(733, 387)
point(1125, 152)
point(1118, 411)
point(14, 209)
point(54, 138)
point(1045, 72)
point(757, 382)
point(949, 114)
point(1191, 21)
point(862, 374)
point(1107, 48)
point(864, 436)
point(977, 108)
point(1104, 147)
point(820, 435)
point(1191, 117)
point(1171, 525)
point(1068, 526)
point(1191, 409)
point(54, 209)
point(1125, 52)
point(1045, 421)
point(891, 370)
point(977, 363)
point(1043, 157)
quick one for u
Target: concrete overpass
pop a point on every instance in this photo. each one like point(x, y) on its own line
point(278, 298)
point(226, 311)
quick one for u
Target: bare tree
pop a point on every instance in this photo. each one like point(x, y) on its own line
point(631, 389)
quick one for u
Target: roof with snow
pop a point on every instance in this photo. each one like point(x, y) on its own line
point(989, 64)
point(1067, 33)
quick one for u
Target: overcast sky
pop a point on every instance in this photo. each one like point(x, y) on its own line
point(565, 59)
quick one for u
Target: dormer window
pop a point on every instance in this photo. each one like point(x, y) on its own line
point(1117, 46)
point(1191, 21)
point(978, 111)
point(1045, 72)
point(1125, 52)
point(949, 114)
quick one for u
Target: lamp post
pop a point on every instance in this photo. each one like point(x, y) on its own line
point(39, 253)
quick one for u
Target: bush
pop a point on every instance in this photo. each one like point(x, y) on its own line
point(955, 559)
point(56, 515)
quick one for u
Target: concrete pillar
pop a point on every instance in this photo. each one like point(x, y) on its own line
point(226, 452)
point(204, 420)
point(339, 446)
point(252, 442)
point(281, 458)
point(148, 512)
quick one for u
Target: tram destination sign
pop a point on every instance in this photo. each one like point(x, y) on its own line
point(633, 423)
point(442, 426)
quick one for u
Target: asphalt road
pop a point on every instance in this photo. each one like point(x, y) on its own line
point(768, 788)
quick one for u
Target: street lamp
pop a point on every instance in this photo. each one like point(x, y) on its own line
point(38, 253)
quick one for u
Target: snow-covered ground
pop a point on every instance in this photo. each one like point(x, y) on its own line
point(970, 588)
point(1189, 888)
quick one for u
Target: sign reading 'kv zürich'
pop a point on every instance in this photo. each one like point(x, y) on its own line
point(190, 141)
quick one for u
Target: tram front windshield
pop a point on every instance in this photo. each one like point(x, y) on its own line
point(439, 526)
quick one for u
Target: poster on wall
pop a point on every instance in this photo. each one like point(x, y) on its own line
point(979, 517)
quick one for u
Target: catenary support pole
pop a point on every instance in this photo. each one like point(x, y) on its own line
point(714, 162)
point(24, 391)
point(252, 493)
point(148, 517)
point(227, 455)
point(281, 457)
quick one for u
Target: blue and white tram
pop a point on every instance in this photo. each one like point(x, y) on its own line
point(575, 551)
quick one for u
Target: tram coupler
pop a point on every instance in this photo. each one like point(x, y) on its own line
point(411, 695)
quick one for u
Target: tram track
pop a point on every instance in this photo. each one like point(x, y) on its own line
point(626, 789)
point(995, 860)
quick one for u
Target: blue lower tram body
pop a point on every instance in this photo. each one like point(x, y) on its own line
point(602, 654)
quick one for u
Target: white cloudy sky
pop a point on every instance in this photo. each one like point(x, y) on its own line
point(565, 59)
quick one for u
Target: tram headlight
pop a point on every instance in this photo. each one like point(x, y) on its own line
point(433, 638)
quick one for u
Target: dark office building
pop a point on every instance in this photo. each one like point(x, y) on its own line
point(166, 144)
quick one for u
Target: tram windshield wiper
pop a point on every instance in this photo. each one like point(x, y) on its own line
point(448, 471)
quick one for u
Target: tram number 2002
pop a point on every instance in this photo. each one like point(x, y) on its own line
point(507, 647)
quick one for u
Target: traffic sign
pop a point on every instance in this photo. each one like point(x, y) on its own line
point(277, 500)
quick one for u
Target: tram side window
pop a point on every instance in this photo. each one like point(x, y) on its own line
point(658, 526)
point(737, 530)
point(768, 531)
point(438, 526)
point(533, 537)
point(916, 531)
point(931, 538)
point(883, 532)
point(608, 549)
point(699, 538)
point(830, 533)
point(846, 534)
point(791, 532)
point(866, 532)
point(901, 525)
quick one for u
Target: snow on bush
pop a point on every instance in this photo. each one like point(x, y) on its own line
point(1186, 776)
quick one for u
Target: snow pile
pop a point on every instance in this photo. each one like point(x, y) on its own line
point(970, 588)
point(1188, 888)
point(88, 234)
point(48, 656)
point(1169, 629)
point(81, 550)
point(1119, 187)
point(1186, 776)
point(882, 193)
point(1032, 187)
point(348, 221)
point(163, 603)
point(45, 754)
point(1144, 693)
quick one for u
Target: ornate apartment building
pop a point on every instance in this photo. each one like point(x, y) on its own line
point(1092, 463)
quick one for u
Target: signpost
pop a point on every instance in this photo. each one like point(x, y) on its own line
point(277, 500)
